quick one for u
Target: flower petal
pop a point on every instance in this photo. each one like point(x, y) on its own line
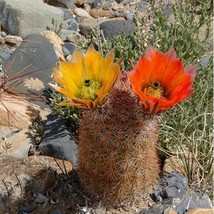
point(77, 57)
point(62, 91)
point(93, 64)
point(175, 81)
point(108, 78)
point(86, 80)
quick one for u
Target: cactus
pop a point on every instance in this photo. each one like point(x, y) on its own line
point(118, 130)
point(117, 147)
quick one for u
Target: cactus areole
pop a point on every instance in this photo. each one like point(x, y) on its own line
point(118, 133)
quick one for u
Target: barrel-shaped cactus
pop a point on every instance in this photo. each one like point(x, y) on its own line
point(117, 147)
point(118, 132)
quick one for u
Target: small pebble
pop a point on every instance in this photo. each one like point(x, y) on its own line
point(3, 34)
point(67, 13)
point(98, 4)
point(107, 6)
point(117, 8)
point(66, 52)
point(70, 24)
point(127, 2)
point(128, 16)
point(70, 47)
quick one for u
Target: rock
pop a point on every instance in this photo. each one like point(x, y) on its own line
point(81, 13)
point(56, 42)
point(31, 66)
point(27, 209)
point(205, 60)
point(16, 142)
point(97, 4)
point(194, 199)
point(66, 52)
point(168, 11)
point(142, 6)
point(96, 13)
point(152, 210)
point(5, 52)
point(88, 25)
point(67, 13)
point(62, 3)
point(116, 27)
point(118, 8)
point(90, 2)
point(171, 186)
point(21, 18)
point(170, 211)
point(57, 140)
point(71, 36)
point(70, 24)
point(3, 34)
point(74, 37)
point(107, 6)
point(19, 112)
point(70, 47)
point(129, 16)
point(200, 211)
point(172, 197)
point(40, 198)
point(126, 2)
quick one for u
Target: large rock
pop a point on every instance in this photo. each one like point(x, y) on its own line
point(30, 66)
point(114, 28)
point(57, 141)
point(15, 111)
point(23, 17)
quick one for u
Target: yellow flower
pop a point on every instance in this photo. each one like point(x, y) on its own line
point(86, 80)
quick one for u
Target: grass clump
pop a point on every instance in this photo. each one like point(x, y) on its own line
point(186, 132)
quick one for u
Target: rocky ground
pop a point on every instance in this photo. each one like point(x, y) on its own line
point(33, 179)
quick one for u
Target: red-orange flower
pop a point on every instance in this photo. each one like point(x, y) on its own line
point(161, 81)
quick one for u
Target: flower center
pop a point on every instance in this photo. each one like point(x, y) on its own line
point(155, 90)
point(88, 90)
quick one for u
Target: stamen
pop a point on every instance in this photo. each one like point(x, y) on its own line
point(88, 90)
point(155, 90)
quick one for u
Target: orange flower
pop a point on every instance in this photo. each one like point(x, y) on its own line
point(86, 80)
point(160, 80)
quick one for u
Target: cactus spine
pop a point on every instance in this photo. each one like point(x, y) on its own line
point(117, 147)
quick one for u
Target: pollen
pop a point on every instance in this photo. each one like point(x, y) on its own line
point(88, 90)
point(155, 90)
